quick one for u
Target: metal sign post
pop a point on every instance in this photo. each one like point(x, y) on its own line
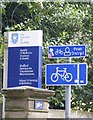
point(68, 102)
point(68, 98)
point(66, 74)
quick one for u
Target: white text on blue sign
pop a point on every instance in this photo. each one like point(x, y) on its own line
point(66, 51)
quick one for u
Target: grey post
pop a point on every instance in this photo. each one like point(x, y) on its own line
point(68, 99)
point(68, 103)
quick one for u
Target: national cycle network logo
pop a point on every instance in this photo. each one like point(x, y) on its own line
point(14, 38)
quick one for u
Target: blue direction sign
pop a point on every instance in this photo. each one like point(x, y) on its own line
point(66, 51)
point(66, 74)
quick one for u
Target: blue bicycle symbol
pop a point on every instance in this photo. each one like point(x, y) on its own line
point(64, 75)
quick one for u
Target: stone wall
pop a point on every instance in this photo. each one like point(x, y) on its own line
point(26, 102)
point(55, 113)
point(20, 102)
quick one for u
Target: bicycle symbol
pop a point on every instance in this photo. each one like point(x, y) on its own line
point(58, 51)
point(64, 75)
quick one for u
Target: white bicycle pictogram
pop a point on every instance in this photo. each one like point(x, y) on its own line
point(64, 75)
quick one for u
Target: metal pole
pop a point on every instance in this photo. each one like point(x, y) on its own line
point(68, 99)
point(68, 103)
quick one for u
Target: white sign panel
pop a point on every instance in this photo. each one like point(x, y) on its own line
point(25, 38)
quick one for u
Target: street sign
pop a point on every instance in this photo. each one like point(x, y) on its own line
point(66, 51)
point(38, 104)
point(66, 74)
point(25, 58)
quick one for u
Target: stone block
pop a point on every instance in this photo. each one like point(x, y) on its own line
point(16, 115)
point(20, 102)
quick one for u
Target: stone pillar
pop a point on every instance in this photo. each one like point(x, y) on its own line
point(26, 102)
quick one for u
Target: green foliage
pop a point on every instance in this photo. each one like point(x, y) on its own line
point(84, 100)
point(58, 101)
point(62, 23)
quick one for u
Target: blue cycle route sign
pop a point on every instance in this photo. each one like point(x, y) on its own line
point(66, 74)
point(66, 51)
